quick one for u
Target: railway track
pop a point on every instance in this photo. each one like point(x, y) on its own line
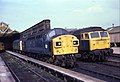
point(10, 69)
point(115, 56)
point(62, 73)
point(110, 63)
point(25, 72)
point(99, 70)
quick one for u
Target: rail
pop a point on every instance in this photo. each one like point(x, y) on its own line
point(12, 72)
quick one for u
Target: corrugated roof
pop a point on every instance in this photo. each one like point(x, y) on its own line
point(88, 29)
point(5, 30)
point(114, 29)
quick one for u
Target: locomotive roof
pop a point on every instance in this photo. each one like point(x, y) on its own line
point(51, 33)
point(89, 29)
point(57, 30)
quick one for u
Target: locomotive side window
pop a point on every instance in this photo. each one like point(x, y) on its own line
point(94, 35)
point(86, 36)
point(103, 34)
point(81, 36)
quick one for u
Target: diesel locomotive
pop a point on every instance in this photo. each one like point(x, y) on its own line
point(50, 45)
point(94, 43)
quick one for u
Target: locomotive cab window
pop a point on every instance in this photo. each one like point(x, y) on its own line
point(103, 34)
point(94, 35)
point(81, 36)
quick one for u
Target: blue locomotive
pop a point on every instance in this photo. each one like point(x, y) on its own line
point(51, 45)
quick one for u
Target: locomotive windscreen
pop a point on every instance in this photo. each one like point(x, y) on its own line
point(57, 31)
point(103, 34)
point(94, 35)
point(60, 31)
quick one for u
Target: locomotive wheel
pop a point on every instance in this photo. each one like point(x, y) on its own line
point(71, 62)
point(64, 62)
point(85, 56)
point(58, 62)
point(103, 58)
point(55, 61)
point(99, 56)
point(50, 60)
point(37, 57)
point(94, 57)
point(90, 56)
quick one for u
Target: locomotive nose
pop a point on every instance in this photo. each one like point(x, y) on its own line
point(65, 44)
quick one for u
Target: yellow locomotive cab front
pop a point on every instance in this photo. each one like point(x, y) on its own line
point(65, 44)
point(101, 40)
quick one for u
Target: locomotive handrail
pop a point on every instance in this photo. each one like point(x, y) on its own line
point(66, 72)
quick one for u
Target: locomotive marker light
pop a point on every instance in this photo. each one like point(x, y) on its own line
point(75, 43)
point(46, 46)
point(58, 44)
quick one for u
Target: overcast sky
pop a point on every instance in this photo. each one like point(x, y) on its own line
point(22, 14)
